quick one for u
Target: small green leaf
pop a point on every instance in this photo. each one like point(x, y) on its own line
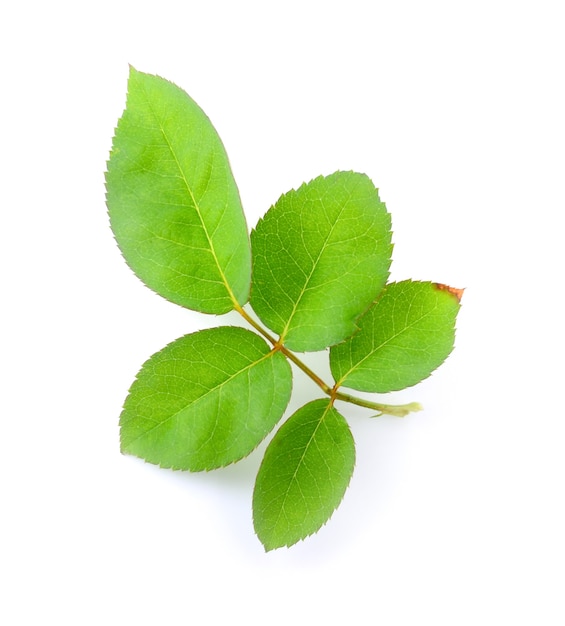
point(321, 255)
point(303, 476)
point(205, 400)
point(403, 338)
point(173, 203)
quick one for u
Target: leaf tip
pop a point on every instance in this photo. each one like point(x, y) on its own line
point(458, 293)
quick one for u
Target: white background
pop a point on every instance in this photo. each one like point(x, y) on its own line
point(454, 515)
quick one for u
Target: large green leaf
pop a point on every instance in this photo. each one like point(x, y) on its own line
point(403, 337)
point(303, 476)
point(173, 203)
point(205, 400)
point(321, 255)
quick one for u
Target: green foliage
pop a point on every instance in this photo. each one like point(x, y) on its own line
point(402, 338)
point(304, 474)
point(321, 258)
point(321, 255)
point(205, 400)
point(173, 203)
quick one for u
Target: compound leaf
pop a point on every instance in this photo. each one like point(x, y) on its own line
point(303, 476)
point(407, 333)
point(173, 203)
point(321, 255)
point(205, 400)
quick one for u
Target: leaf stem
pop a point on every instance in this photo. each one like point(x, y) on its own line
point(388, 409)
point(398, 410)
point(253, 323)
point(290, 355)
point(325, 388)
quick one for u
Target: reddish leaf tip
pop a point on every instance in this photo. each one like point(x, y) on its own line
point(458, 293)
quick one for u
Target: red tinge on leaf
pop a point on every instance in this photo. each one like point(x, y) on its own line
point(458, 293)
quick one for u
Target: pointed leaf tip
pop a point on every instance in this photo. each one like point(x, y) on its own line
point(458, 293)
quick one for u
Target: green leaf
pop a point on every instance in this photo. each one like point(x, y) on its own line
point(303, 476)
point(321, 255)
point(403, 338)
point(173, 203)
point(205, 400)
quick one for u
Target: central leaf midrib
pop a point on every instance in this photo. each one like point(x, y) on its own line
point(192, 403)
point(194, 202)
point(314, 267)
point(374, 350)
point(301, 461)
